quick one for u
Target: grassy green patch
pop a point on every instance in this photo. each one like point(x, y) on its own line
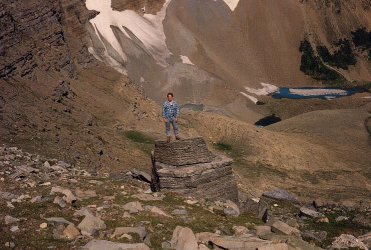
point(334, 228)
point(138, 137)
point(223, 146)
point(143, 142)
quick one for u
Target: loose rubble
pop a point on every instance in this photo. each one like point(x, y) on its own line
point(47, 198)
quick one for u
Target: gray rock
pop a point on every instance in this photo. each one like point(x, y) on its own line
point(140, 175)
point(274, 246)
point(91, 225)
point(109, 245)
point(133, 207)
point(141, 231)
point(14, 229)
point(238, 243)
point(347, 241)
point(85, 194)
point(307, 212)
point(282, 228)
point(280, 194)
point(366, 239)
point(258, 209)
point(341, 218)
point(316, 236)
point(182, 212)
point(59, 201)
point(157, 211)
point(9, 244)
point(69, 196)
point(58, 220)
point(231, 209)
point(184, 238)
point(10, 220)
point(58, 232)
point(263, 230)
point(71, 232)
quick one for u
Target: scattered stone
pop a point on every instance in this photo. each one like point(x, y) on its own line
point(184, 238)
point(82, 212)
point(316, 236)
point(58, 232)
point(258, 209)
point(43, 225)
point(181, 212)
point(166, 245)
point(191, 202)
point(307, 212)
point(95, 182)
point(262, 231)
point(91, 225)
point(366, 239)
point(10, 220)
point(324, 220)
point(141, 231)
point(7, 196)
point(341, 218)
point(231, 209)
point(48, 183)
point(58, 220)
point(10, 205)
point(282, 228)
point(156, 210)
point(140, 175)
point(276, 246)
point(85, 194)
point(59, 201)
point(133, 207)
point(240, 230)
point(205, 237)
point(109, 245)
point(9, 244)
point(347, 241)
point(69, 196)
point(14, 229)
point(71, 232)
point(230, 242)
point(148, 197)
point(280, 194)
point(36, 199)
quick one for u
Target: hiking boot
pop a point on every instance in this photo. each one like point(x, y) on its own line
point(168, 139)
point(177, 137)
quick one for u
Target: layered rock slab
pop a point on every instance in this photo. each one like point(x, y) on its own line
point(189, 168)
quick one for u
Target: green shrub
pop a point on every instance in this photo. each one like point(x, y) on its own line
point(311, 64)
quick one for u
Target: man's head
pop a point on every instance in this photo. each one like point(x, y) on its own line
point(170, 97)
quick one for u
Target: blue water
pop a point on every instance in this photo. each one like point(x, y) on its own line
point(285, 93)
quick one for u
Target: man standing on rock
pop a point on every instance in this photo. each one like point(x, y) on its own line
point(170, 114)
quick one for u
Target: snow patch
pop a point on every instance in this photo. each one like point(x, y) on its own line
point(186, 60)
point(315, 92)
point(252, 98)
point(265, 90)
point(232, 4)
point(147, 28)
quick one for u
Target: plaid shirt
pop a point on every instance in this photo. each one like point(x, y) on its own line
point(170, 111)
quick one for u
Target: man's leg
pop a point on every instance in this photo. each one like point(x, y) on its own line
point(168, 132)
point(176, 129)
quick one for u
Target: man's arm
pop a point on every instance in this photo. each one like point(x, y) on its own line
point(164, 112)
point(177, 112)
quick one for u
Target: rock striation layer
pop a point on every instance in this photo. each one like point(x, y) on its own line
point(189, 168)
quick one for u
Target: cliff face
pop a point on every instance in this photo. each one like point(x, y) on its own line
point(38, 36)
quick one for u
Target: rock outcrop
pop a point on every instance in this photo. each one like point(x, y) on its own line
point(189, 168)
